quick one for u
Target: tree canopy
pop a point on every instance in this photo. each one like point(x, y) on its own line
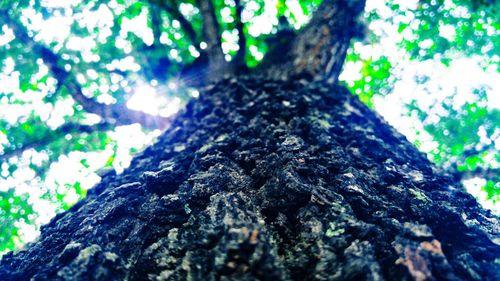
point(85, 84)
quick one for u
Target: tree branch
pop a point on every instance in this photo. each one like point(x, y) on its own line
point(194, 73)
point(172, 8)
point(320, 49)
point(68, 128)
point(239, 60)
point(217, 65)
point(156, 23)
point(186, 26)
point(473, 151)
point(486, 173)
point(117, 114)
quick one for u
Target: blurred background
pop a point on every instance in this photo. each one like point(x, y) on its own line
point(80, 79)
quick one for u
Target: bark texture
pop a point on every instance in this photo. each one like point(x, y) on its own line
point(270, 180)
point(320, 49)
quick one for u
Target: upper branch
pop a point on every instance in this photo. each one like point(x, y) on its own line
point(239, 59)
point(486, 173)
point(174, 12)
point(117, 114)
point(68, 128)
point(217, 65)
point(156, 23)
point(320, 49)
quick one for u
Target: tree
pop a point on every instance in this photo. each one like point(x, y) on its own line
point(121, 50)
point(274, 172)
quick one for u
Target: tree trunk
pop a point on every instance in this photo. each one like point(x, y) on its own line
point(281, 178)
point(270, 180)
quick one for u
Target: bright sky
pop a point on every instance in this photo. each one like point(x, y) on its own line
point(149, 97)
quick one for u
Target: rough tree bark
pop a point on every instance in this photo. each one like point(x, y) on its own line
point(272, 179)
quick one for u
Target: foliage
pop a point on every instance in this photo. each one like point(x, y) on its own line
point(127, 52)
point(464, 135)
point(14, 211)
